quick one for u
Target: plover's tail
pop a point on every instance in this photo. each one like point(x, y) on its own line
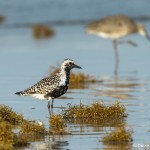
point(20, 93)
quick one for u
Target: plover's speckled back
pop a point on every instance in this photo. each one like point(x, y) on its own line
point(53, 86)
point(115, 27)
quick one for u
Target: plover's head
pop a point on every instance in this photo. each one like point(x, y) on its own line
point(142, 31)
point(69, 64)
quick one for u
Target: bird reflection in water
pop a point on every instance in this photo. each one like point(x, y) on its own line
point(52, 143)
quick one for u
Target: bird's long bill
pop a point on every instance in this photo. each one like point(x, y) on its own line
point(76, 66)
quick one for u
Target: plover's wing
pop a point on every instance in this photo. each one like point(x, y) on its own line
point(43, 86)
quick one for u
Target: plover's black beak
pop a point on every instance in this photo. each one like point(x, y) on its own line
point(76, 66)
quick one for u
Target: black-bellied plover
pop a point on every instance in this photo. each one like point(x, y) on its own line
point(52, 87)
point(115, 27)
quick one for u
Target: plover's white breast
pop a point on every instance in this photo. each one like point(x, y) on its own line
point(62, 80)
point(39, 96)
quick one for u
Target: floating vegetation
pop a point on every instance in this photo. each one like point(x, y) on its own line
point(53, 70)
point(57, 125)
point(99, 111)
point(27, 130)
point(121, 135)
point(42, 31)
point(20, 140)
point(82, 78)
point(8, 138)
point(76, 77)
point(32, 128)
point(33, 131)
point(2, 18)
point(6, 134)
point(7, 114)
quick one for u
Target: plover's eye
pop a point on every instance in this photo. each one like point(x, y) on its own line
point(70, 63)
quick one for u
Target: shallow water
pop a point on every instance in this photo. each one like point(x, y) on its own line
point(25, 60)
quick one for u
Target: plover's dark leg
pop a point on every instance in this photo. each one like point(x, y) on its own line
point(49, 106)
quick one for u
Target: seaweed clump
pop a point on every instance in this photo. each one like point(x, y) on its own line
point(2, 18)
point(57, 125)
point(6, 134)
point(9, 139)
point(17, 131)
point(42, 31)
point(7, 114)
point(100, 111)
point(82, 78)
point(76, 78)
point(30, 131)
point(32, 128)
point(121, 135)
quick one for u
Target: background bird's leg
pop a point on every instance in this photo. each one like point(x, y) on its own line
point(132, 43)
point(147, 36)
point(128, 42)
point(116, 57)
point(52, 103)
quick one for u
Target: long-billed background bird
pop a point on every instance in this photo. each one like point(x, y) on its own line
point(53, 86)
point(115, 27)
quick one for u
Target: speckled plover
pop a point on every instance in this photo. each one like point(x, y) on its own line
point(52, 87)
point(115, 27)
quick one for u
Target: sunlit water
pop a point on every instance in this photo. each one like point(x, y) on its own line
point(25, 60)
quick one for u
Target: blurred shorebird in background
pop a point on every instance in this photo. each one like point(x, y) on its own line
point(115, 27)
point(53, 86)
